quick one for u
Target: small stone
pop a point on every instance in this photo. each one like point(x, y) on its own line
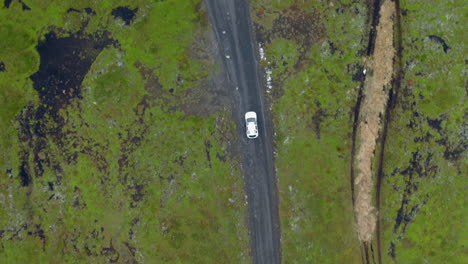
point(41, 155)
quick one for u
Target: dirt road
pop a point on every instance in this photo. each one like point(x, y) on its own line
point(233, 30)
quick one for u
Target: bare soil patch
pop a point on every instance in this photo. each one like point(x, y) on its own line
point(380, 69)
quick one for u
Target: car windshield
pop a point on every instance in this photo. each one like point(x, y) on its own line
point(250, 120)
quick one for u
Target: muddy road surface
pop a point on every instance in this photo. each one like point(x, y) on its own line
point(233, 31)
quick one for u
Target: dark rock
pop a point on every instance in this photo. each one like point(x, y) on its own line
point(87, 10)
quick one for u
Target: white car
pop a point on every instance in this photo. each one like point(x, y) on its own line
point(251, 124)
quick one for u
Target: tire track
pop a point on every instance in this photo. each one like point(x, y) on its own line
point(375, 100)
point(392, 100)
point(374, 8)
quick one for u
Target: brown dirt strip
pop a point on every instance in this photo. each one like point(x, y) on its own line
point(393, 95)
point(374, 16)
point(373, 106)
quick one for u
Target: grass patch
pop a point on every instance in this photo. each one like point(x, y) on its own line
point(423, 208)
point(118, 172)
point(313, 118)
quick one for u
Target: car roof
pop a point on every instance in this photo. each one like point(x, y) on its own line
point(251, 114)
point(252, 130)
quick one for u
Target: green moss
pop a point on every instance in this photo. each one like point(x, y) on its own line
point(15, 92)
point(314, 129)
point(161, 39)
point(15, 38)
point(124, 172)
point(425, 156)
point(283, 52)
point(425, 159)
point(112, 89)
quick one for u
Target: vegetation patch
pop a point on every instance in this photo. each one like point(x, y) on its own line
point(425, 149)
point(314, 88)
point(422, 210)
point(111, 154)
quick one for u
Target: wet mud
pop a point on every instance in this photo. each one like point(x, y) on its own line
point(124, 13)
point(441, 41)
point(25, 7)
point(87, 10)
point(64, 64)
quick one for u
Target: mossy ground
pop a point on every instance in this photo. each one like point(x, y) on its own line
point(131, 169)
point(424, 199)
point(129, 165)
point(315, 51)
